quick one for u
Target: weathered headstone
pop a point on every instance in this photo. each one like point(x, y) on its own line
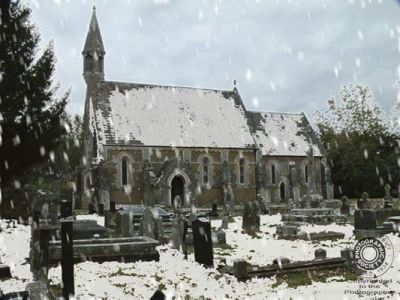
point(37, 290)
point(126, 225)
point(251, 217)
point(225, 221)
point(363, 202)
point(364, 219)
point(202, 242)
point(221, 237)
point(320, 254)
point(67, 258)
point(247, 217)
point(214, 210)
point(240, 269)
point(158, 295)
point(151, 224)
point(345, 207)
point(388, 200)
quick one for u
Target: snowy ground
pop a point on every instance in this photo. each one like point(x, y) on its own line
point(185, 279)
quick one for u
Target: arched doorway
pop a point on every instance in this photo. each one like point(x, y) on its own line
point(282, 191)
point(177, 189)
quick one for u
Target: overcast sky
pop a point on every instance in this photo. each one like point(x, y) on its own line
point(287, 56)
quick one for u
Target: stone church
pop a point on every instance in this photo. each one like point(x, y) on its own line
point(146, 143)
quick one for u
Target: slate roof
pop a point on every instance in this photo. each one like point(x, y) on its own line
point(283, 134)
point(154, 115)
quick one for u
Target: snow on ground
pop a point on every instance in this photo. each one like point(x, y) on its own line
point(14, 252)
point(263, 248)
point(185, 279)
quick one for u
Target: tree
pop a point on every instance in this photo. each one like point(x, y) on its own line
point(362, 151)
point(30, 113)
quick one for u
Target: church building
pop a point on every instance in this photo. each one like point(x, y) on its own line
point(146, 143)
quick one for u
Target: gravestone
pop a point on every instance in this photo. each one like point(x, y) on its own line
point(363, 202)
point(240, 269)
point(320, 254)
point(345, 207)
point(251, 216)
point(263, 204)
point(151, 224)
point(126, 225)
point(37, 290)
point(225, 221)
point(202, 242)
point(221, 237)
point(214, 210)
point(247, 217)
point(158, 295)
point(193, 213)
point(388, 200)
point(364, 219)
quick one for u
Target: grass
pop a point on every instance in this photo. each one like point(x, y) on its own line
point(294, 280)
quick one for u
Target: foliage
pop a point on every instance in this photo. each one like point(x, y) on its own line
point(362, 150)
point(30, 113)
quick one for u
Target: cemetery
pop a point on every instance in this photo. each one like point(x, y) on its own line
point(157, 191)
point(144, 249)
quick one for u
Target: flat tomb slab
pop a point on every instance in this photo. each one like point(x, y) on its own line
point(109, 249)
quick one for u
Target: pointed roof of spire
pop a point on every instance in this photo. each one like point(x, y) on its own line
point(94, 41)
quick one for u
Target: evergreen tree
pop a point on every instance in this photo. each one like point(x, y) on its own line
point(363, 152)
point(30, 114)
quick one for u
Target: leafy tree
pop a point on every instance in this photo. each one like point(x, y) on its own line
point(30, 113)
point(362, 151)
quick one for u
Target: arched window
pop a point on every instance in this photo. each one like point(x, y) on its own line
point(124, 171)
point(306, 173)
point(273, 174)
point(282, 190)
point(206, 167)
point(241, 170)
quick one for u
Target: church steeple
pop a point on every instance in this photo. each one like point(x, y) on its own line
point(93, 53)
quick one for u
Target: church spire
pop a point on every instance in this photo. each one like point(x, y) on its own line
point(94, 42)
point(93, 52)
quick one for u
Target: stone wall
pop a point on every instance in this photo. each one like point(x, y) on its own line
point(166, 163)
point(271, 191)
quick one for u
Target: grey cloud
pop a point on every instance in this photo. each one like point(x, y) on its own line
point(173, 46)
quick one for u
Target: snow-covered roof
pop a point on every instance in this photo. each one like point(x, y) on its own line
point(283, 134)
point(153, 115)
